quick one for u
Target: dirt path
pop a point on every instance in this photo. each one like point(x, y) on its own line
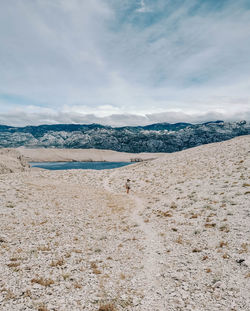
point(152, 248)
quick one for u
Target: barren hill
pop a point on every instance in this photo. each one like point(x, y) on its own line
point(12, 161)
point(74, 240)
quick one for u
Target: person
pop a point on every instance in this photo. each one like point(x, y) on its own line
point(127, 185)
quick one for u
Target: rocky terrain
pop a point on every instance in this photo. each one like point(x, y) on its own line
point(83, 155)
point(163, 137)
point(12, 161)
point(74, 240)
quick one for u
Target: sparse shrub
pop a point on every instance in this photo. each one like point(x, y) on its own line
point(13, 264)
point(164, 214)
point(194, 216)
point(68, 255)
point(179, 240)
point(65, 276)
point(9, 295)
point(77, 285)
point(107, 307)
point(224, 228)
point(27, 293)
point(95, 268)
point(244, 248)
point(15, 258)
point(59, 262)
point(122, 276)
point(77, 251)
point(43, 248)
point(222, 244)
point(210, 225)
point(196, 250)
point(43, 282)
point(173, 205)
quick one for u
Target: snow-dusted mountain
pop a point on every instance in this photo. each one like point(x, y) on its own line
point(161, 137)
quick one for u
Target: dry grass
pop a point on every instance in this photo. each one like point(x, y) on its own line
point(59, 262)
point(173, 205)
point(77, 285)
point(107, 307)
point(15, 258)
point(222, 244)
point(13, 264)
point(224, 228)
point(27, 293)
point(164, 214)
point(212, 225)
point(179, 240)
point(194, 216)
point(68, 255)
point(244, 248)
point(43, 248)
point(122, 276)
point(196, 250)
point(9, 295)
point(247, 275)
point(65, 276)
point(246, 185)
point(77, 251)
point(95, 268)
point(43, 282)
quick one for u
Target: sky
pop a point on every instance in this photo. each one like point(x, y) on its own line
point(124, 62)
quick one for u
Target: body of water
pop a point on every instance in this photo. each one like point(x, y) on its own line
point(78, 165)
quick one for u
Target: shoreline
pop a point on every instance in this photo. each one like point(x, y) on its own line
point(84, 155)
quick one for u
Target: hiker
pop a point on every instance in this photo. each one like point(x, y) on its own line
point(127, 185)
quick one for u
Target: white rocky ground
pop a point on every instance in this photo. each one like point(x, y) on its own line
point(12, 161)
point(74, 240)
point(52, 154)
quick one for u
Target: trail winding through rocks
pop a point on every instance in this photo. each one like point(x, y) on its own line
point(150, 276)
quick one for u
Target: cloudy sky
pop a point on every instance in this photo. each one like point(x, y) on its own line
point(122, 62)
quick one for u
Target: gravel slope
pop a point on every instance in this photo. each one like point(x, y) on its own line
point(74, 240)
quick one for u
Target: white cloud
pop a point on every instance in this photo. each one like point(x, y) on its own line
point(103, 58)
point(143, 8)
point(20, 117)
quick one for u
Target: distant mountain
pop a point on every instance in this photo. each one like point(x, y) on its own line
point(160, 137)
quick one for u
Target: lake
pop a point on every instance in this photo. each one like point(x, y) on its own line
point(78, 165)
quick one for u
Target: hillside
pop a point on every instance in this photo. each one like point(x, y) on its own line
point(163, 137)
point(74, 240)
point(12, 161)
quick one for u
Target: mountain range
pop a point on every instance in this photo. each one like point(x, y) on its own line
point(160, 137)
